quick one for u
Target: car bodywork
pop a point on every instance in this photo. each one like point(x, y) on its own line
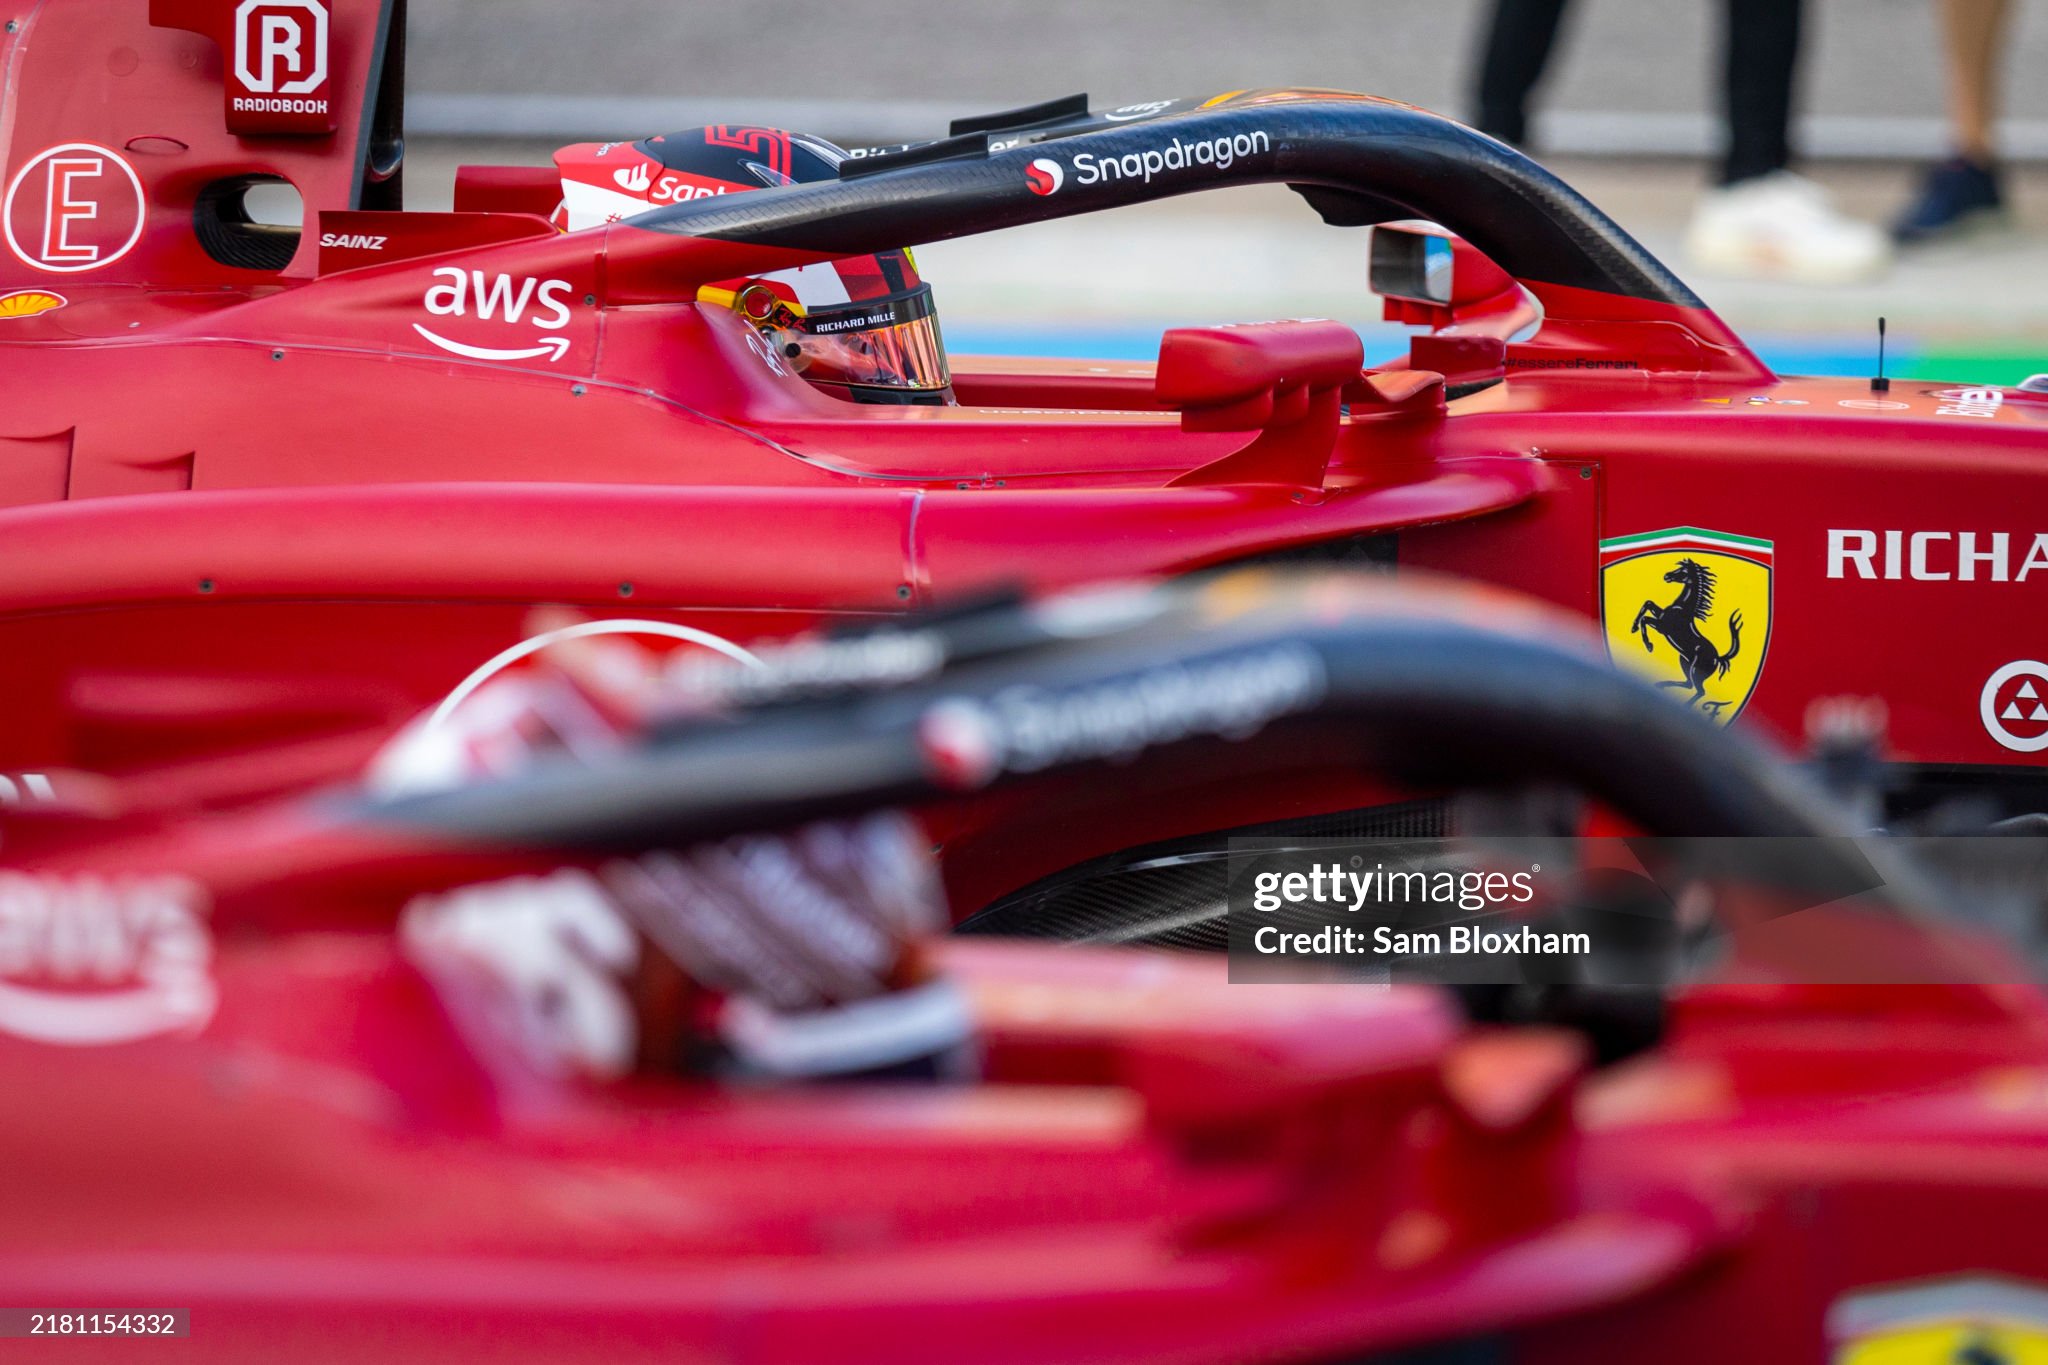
point(1157, 1165)
point(256, 484)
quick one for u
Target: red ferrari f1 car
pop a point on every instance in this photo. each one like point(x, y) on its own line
point(484, 1073)
point(262, 483)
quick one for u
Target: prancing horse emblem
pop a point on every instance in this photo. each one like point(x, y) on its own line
point(1679, 623)
point(1716, 629)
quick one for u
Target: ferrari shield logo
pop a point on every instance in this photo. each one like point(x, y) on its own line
point(1691, 611)
point(1968, 1321)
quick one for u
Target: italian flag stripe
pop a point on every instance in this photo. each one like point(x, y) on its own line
point(1685, 535)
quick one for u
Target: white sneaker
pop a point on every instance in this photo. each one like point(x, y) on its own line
point(1782, 227)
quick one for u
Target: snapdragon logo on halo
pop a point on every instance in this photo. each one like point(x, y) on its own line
point(1216, 153)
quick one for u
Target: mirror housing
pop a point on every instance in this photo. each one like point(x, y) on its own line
point(1413, 266)
point(1427, 274)
point(1429, 277)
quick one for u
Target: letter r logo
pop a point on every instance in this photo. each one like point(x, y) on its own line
point(280, 43)
point(281, 46)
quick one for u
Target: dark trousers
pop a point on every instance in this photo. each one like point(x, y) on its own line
point(1759, 54)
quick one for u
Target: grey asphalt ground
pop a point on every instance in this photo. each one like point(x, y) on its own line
point(1633, 74)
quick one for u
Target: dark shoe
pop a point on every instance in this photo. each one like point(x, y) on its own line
point(1955, 193)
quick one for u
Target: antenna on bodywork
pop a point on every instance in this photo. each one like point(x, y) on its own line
point(1880, 384)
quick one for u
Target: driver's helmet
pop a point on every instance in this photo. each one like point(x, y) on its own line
point(864, 326)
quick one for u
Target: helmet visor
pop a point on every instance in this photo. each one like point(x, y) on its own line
point(891, 343)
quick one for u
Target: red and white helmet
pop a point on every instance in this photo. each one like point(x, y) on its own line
point(864, 325)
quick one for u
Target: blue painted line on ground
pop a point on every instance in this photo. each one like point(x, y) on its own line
point(1121, 341)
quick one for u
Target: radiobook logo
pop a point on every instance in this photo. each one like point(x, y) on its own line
point(281, 47)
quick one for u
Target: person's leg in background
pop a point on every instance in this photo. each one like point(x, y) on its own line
point(1964, 189)
point(1518, 44)
point(1760, 62)
point(1762, 221)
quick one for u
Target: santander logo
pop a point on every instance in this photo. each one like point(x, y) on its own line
point(1045, 176)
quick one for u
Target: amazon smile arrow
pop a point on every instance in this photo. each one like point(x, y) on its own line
point(552, 347)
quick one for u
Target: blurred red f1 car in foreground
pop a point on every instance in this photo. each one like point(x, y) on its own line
point(645, 1055)
point(262, 482)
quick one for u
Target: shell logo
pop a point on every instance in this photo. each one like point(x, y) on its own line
point(27, 303)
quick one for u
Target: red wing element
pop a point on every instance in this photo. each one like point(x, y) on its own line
point(1283, 380)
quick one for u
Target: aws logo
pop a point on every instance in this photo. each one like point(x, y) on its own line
point(504, 300)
